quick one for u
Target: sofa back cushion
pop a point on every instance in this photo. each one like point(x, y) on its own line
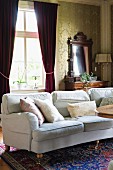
point(62, 98)
point(11, 101)
point(98, 94)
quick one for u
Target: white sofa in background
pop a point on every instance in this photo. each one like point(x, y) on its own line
point(110, 165)
point(22, 130)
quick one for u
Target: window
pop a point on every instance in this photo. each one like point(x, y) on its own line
point(27, 66)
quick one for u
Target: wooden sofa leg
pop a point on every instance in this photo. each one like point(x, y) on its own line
point(39, 156)
point(97, 143)
point(7, 148)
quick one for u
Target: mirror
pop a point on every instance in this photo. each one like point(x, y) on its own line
point(79, 55)
point(79, 60)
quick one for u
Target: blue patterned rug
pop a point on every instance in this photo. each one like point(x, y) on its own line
point(80, 157)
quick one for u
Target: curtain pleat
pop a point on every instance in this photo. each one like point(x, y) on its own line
point(46, 14)
point(8, 17)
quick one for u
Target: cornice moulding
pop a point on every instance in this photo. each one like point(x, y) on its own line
point(89, 2)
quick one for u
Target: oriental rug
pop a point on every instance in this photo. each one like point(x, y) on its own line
point(80, 157)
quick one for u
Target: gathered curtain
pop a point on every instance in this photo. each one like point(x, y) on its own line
point(8, 17)
point(46, 14)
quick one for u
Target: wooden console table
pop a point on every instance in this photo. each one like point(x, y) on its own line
point(106, 115)
point(78, 85)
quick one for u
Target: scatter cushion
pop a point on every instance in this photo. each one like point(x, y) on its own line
point(106, 109)
point(49, 110)
point(82, 109)
point(27, 105)
point(106, 101)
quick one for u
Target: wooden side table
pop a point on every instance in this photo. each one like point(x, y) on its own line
point(105, 111)
point(106, 115)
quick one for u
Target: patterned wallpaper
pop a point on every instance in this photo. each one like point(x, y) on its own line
point(112, 42)
point(72, 18)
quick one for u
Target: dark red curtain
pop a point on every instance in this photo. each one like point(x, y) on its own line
point(46, 14)
point(8, 16)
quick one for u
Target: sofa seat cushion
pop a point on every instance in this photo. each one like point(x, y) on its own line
point(95, 123)
point(57, 129)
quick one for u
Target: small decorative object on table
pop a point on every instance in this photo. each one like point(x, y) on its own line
point(85, 77)
point(93, 77)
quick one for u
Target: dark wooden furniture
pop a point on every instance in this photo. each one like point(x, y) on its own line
point(80, 61)
point(105, 111)
point(106, 115)
point(70, 84)
point(79, 55)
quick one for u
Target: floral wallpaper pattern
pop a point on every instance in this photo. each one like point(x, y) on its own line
point(112, 42)
point(72, 18)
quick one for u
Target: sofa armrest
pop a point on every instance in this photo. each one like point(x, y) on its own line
point(23, 122)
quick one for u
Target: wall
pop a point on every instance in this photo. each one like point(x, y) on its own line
point(74, 17)
point(112, 43)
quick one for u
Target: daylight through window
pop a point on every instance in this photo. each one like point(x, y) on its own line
point(27, 68)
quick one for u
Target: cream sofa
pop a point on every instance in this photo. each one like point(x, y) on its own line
point(22, 130)
point(110, 165)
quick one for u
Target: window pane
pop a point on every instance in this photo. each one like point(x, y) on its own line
point(17, 67)
point(31, 24)
point(34, 61)
point(33, 50)
point(18, 53)
point(20, 21)
point(27, 59)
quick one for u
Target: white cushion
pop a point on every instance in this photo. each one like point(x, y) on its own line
point(82, 109)
point(49, 111)
point(110, 165)
point(27, 105)
point(106, 101)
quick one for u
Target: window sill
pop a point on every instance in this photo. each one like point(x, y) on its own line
point(27, 91)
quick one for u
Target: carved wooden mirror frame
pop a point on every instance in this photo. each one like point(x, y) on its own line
point(79, 41)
